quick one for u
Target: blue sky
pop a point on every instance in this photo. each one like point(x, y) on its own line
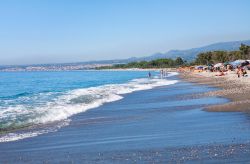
point(54, 31)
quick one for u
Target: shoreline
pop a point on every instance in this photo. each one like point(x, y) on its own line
point(235, 89)
point(140, 69)
point(166, 118)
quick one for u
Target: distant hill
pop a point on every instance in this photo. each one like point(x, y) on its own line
point(190, 54)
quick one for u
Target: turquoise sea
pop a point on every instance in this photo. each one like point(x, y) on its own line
point(29, 100)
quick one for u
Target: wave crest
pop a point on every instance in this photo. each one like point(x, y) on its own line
point(68, 104)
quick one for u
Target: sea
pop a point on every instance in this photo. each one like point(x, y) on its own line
point(114, 117)
point(30, 100)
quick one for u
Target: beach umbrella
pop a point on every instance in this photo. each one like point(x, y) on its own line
point(236, 63)
point(219, 65)
point(199, 67)
point(226, 63)
point(244, 63)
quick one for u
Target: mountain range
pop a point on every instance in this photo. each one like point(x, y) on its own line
point(189, 55)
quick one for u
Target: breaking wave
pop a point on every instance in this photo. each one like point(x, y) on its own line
point(60, 108)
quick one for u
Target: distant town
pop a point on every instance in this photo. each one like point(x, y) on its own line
point(54, 67)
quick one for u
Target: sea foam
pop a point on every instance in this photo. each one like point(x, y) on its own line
point(68, 104)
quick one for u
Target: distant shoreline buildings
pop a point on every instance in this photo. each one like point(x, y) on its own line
point(76, 67)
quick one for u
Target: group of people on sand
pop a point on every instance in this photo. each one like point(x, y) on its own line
point(221, 73)
point(241, 71)
point(221, 69)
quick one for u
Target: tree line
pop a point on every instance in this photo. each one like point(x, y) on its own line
point(158, 63)
point(204, 58)
point(213, 57)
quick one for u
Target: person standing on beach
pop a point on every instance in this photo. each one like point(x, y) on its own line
point(239, 71)
point(161, 74)
point(165, 73)
point(244, 72)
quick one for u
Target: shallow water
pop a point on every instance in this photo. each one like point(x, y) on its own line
point(34, 103)
point(160, 124)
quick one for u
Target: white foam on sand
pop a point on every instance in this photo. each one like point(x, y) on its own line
point(33, 133)
point(68, 104)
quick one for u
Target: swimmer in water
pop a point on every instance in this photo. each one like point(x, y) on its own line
point(149, 75)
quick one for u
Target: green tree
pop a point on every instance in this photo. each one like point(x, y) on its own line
point(179, 61)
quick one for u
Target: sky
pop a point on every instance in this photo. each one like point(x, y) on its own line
point(59, 31)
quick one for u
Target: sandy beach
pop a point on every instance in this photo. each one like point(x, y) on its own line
point(230, 86)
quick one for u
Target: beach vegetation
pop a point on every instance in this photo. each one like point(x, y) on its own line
point(158, 63)
point(213, 57)
point(204, 58)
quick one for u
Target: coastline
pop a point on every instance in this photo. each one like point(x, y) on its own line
point(140, 69)
point(230, 86)
point(164, 117)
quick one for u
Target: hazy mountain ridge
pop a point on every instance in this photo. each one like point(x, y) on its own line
point(189, 55)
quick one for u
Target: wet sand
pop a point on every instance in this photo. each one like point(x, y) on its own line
point(237, 90)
